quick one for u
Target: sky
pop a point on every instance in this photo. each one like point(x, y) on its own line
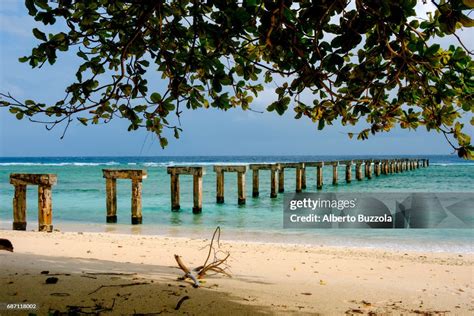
point(205, 131)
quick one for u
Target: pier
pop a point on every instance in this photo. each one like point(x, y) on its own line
point(45, 203)
point(111, 176)
point(382, 167)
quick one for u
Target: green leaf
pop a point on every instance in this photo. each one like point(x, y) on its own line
point(30, 5)
point(39, 35)
point(155, 97)
point(433, 49)
point(163, 142)
point(83, 120)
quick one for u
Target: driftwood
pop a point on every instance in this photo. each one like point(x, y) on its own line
point(217, 264)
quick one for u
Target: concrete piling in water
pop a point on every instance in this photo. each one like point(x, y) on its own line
point(335, 166)
point(111, 176)
point(197, 173)
point(348, 172)
point(368, 169)
point(240, 170)
point(45, 203)
point(358, 165)
point(303, 178)
point(273, 178)
point(319, 175)
point(377, 168)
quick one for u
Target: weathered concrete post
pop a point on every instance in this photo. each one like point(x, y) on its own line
point(136, 176)
point(111, 199)
point(359, 170)
point(241, 188)
point(335, 165)
point(393, 166)
point(299, 179)
point(220, 170)
point(386, 167)
point(427, 162)
point(273, 182)
point(255, 192)
point(319, 175)
point(377, 168)
point(368, 169)
point(197, 173)
point(303, 178)
point(137, 201)
point(197, 193)
point(19, 207)
point(175, 192)
point(281, 180)
point(45, 204)
point(274, 168)
point(398, 166)
point(45, 208)
point(348, 171)
point(219, 185)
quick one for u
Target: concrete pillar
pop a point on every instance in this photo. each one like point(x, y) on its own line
point(368, 169)
point(427, 162)
point(298, 180)
point(241, 188)
point(319, 176)
point(359, 171)
point(377, 168)
point(273, 183)
point(111, 199)
point(19, 207)
point(281, 180)
point(137, 201)
point(197, 193)
point(334, 172)
point(303, 177)
point(45, 209)
point(255, 192)
point(348, 172)
point(175, 192)
point(45, 203)
point(219, 187)
point(393, 166)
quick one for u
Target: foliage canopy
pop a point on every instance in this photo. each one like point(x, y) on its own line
point(371, 60)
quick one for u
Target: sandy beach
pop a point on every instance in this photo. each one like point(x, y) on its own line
point(131, 274)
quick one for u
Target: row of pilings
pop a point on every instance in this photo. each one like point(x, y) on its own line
point(363, 168)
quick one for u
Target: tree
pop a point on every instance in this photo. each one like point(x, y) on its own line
point(363, 59)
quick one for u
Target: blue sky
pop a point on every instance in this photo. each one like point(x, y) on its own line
point(205, 132)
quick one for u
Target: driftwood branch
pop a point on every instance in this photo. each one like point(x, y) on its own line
point(213, 264)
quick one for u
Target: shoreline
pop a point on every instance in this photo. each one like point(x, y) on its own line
point(370, 239)
point(266, 278)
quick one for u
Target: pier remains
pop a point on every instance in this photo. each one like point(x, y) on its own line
point(111, 176)
point(45, 203)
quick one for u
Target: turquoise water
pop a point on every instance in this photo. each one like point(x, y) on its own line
point(79, 200)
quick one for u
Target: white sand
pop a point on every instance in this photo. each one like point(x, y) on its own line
point(267, 278)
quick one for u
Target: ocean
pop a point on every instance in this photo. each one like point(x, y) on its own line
point(79, 200)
